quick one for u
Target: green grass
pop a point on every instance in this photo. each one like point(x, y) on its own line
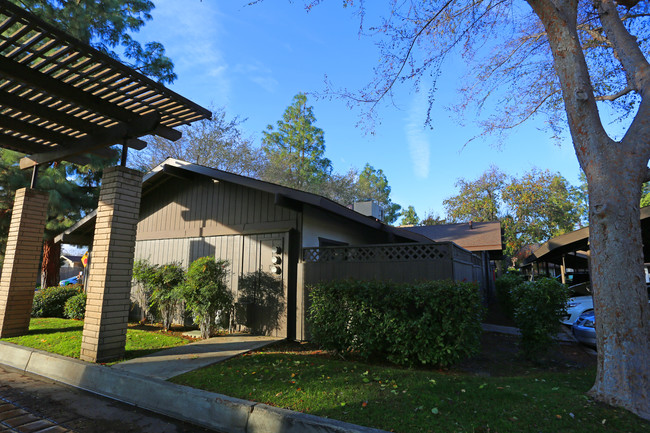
point(63, 336)
point(412, 400)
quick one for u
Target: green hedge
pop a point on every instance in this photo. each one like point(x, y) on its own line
point(49, 302)
point(504, 286)
point(75, 307)
point(538, 308)
point(437, 322)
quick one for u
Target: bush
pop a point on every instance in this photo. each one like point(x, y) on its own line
point(166, 291)
point(538, 307)
point(143, 273)
point(437, 322)
point(49, 302)
point(504, 286)
point(206, 293)
point(75, 307)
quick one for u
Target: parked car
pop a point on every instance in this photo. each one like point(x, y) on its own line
point(576, 307)
point(71, 280)
point(584, 329)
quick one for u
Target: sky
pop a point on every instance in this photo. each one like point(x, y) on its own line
point(252, 60)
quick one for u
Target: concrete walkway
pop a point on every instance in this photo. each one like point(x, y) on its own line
point(178, 360)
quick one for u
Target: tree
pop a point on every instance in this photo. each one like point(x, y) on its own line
point(409, 217)
point(216, 143)
point(542, 205)
point(533, 208)
point(73, 191)
point(570, 54)
point(478, 200)
point(296, 149)
point(432, 219)
point(373, 185)
point(107, 25)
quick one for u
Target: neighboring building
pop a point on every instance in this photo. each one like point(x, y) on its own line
point(473, 236)
point(68, 261)
point(190, 211)
point(481, 238)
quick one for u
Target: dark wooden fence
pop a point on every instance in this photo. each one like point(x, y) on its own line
point(400, 263)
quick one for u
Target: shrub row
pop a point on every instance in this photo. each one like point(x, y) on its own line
point(437, 322)
point(536, 307)
point(50, 301)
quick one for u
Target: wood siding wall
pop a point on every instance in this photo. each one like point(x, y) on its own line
point(245, 254)
point(181, 208)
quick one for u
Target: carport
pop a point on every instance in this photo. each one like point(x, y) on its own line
point(571, 250)
point(61, 100)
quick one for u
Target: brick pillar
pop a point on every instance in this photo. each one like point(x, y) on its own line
point(20, 268)
point(111, 266)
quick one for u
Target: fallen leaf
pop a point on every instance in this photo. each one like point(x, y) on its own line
point(434, 411)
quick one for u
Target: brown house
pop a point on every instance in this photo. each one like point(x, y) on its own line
point(190, 211)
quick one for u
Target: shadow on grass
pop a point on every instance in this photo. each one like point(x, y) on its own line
point(55, 330)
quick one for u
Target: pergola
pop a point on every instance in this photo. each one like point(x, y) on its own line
point(61, 100)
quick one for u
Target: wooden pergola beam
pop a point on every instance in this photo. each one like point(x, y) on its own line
point(113, 135)
point(24, 74)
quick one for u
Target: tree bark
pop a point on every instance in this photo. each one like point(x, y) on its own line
point(615, 172)
point(50, 266)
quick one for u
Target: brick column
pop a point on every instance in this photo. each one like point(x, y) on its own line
point(20, 268)
point(111, 266)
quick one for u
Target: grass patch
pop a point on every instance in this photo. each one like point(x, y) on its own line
point(416, 400)
point(63, 336)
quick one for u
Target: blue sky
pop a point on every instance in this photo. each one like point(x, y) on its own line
point(252, 60)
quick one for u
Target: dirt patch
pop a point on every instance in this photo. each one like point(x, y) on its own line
point(500, 356)
point(175, 330)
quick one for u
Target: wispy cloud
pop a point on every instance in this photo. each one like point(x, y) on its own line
point(259, 74)
point(201, 61)
point(416, 135)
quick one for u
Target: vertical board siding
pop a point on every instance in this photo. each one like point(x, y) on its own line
point(179, 206)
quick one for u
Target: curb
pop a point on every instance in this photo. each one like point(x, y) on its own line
point(203, 408)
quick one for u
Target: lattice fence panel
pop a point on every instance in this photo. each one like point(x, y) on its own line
point(377, 253)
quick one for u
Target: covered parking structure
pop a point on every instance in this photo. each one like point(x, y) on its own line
point(571, 250)
point(60, 100)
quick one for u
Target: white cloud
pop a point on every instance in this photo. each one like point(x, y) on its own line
point(416, 136)
point(191, 31)
point(259, 74)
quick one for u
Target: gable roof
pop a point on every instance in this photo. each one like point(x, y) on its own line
point(475, 236)
point(82, 231)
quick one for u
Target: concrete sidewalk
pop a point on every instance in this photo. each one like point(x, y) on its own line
point(207, 409)
point(178, 360)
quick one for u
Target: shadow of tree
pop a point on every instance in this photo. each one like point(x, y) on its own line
point(261, 302)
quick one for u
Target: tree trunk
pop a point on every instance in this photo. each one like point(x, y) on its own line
point(620, 294)
point(51, 263)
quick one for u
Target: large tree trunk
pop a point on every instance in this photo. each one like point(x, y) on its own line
point(51, 263)
point(620, 294)
point(615, 172)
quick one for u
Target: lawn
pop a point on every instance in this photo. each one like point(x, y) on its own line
point(63, 336)
point(494, 392)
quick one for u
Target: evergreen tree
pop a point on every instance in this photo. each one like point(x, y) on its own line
point(107, 25)
point(295, 149)
point(410, 217)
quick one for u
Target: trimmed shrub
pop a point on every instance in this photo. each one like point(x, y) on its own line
point(436, 322)
point(538, 307)
point(205, 292)
point(504, 286)
point(49, 302)
point(75, 307)
point(166, 292)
